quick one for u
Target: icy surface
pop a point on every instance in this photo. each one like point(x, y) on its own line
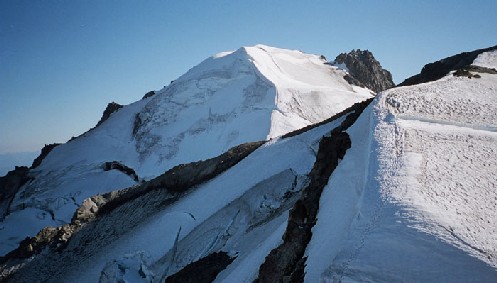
point(254, 93)
point(415, 198)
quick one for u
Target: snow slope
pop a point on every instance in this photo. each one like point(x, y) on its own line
point(242, 211)
point(415, 198)
point(254, 93)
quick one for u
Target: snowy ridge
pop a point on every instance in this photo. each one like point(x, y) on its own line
point(415, 197)
point(253, 93)
point(412, 195)
point(306, 87)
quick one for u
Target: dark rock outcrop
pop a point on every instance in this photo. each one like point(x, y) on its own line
point(437, 70)
point(144, 199)
point(44, 152)
point(116, 165)
point(469, 71)
point(286, 262)
point(204, 270)
point(281, 262)
point(137, 124)
point(148, 94)
point(365, 70)
point(10, 185)
point(111, 108)
point(175, 181)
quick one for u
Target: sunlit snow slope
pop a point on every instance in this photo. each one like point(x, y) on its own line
point(254, 93)
point(415, 198)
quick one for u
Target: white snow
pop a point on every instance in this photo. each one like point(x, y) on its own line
point(155, 237)
point(487, 59)
point(415, 198)
point(305, 87)
point(253, 93)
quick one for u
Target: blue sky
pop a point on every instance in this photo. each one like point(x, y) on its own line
point(61, 62)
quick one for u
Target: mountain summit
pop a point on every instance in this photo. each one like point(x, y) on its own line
point(251, 94)
point(397, 187)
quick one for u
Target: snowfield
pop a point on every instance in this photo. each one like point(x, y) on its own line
point(251, 94)
point(415, 198)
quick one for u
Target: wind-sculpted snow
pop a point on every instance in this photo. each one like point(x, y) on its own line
point(451, 100)
point(415, 198)
point(450, 161)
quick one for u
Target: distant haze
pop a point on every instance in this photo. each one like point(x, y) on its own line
point(8, 161)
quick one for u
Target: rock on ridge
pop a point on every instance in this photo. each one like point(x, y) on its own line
point(365, 71)
point(437, 70)
point(111, 108)
point(44, 152)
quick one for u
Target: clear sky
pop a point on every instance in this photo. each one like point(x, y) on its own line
point(62, 61)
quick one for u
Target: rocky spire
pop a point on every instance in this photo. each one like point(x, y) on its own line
point(364, 70)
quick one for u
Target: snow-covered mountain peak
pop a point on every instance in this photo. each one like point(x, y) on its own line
point(251, 94)
point(400, 188)
point(263, 90)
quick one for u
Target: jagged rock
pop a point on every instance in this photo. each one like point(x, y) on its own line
point(116, 165)
point(179, 178)
point(184, 176)
point(365, 71)
point(111, 108)
point(148, 94)
point(204, 270)
point(438, 69)
point(10, 185)
point(44, 152)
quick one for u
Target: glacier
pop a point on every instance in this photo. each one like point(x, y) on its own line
point(413, 199)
